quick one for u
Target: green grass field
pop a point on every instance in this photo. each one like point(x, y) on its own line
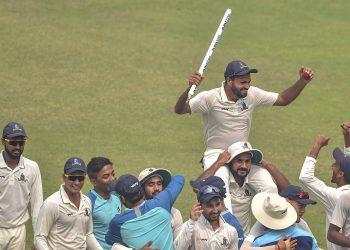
point(90, 78)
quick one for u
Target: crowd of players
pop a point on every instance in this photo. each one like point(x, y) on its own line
point(132, 212)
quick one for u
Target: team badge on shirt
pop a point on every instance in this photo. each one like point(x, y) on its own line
point(225, 242)
point(22, 178)
point(244, 106)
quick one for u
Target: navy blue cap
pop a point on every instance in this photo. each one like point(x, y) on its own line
point(295, 193)
point(129, 187)
point(238, 68)
point(207, 193)
point(211, 181)
point(344, 162)
point(13, 129)
point(74, 164)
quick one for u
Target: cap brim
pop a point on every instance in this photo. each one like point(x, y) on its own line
point(15, 135)
point(257, 155)
point(165, 174)
point(195, 184)
point(306, 201)
point(338, 155)
point(208, 197)
point(246, 72)
point(72, 170)
point(269, 221)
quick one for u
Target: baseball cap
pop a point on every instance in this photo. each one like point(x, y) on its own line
point(295, 193)
point(148, 173)
point(238, 68)
point(214, 181)
point(74, 164)
point(207, 193)
point(240, 147)
point(129, 187)
point(344, 162)
point(13, 129)
point(273, 211)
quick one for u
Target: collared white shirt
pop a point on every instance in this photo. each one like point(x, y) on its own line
point(63, 226)
point(176, 221)
point(226, 122)
point(327, 195)
point(18, 187)
point(239, 199)
point(200, 235)
point(341, 214)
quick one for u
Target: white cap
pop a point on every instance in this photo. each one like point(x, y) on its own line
point(244, 147)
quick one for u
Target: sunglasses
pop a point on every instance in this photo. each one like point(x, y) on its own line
point(15, 142)
point(210, 190)
point(303, 195)
point(80, 178)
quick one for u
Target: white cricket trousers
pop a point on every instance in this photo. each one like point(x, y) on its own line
point(13, 238)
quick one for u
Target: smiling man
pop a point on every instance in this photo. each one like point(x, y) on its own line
point(206, 229)
point(104, 202)
point(20, 178)
point(65, 220)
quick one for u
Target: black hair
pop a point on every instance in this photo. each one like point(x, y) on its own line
point(95, 165)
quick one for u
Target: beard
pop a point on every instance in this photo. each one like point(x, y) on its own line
point(240, 172)
point(14, 154)
point(212, 217)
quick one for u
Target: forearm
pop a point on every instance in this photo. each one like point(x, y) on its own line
point(315, 151)
point(281, 181)
point(182, 102)
point(248, 246)
point(338, 238)
point(290, 94)
point(347, 140)
point(210, 171)
point(184, 239)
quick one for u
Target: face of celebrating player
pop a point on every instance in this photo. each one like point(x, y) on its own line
point(212, 209)
point(103, 179)
point(153, 186)
point(74, 182)
point(13, 148)
point(240, 165)
point(239, 86)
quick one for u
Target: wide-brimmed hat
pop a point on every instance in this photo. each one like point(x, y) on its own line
point(241, 147)
point(148, 173)
point(273, 211)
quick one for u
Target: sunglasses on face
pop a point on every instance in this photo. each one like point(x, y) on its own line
point(15, 142)
point(80, 178)
point(303, 195)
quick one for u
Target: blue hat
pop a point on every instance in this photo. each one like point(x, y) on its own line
point(210, 181)
point(74, 164)
point(238, 68)
point(129, 187)
point(295, 193)
point(12, 130)
point(207, 193)
point(344, 162)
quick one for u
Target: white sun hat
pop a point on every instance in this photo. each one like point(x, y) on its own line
point(273, 211)
point(241, 147)
point(147, 173)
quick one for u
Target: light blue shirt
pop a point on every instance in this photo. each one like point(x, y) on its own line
point(103, 212)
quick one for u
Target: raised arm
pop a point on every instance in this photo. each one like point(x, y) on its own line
point(290, 94)
point(221, 161)
point(346, 133)
point(281, 181)
point(182, 106)
point(320, 142)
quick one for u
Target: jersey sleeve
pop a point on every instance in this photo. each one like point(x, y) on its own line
point(262, 98)
point(200, 103)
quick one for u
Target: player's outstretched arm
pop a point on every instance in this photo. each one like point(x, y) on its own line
point(289, 95)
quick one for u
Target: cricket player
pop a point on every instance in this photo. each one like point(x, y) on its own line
point(65, 220)
point(144, 220)
point(154, 181)
point(20, 184)
point(227, 112)
point(104, 202)
point(206, 229)
point(327, 195)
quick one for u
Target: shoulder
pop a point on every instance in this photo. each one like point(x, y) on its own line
point(30, 163)
point(53, 201)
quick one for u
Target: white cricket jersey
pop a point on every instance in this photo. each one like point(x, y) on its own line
point(176, 221)
point(200, 235)
point(238, 199)
point(226, 122)
point(341, 214)
point(18, 187)
point(327, 195)
point(61, 225)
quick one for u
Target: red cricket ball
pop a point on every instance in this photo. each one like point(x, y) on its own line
point(306, 75)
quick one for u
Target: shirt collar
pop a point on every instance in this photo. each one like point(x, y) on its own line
point(223, 93)
point(206, 223)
